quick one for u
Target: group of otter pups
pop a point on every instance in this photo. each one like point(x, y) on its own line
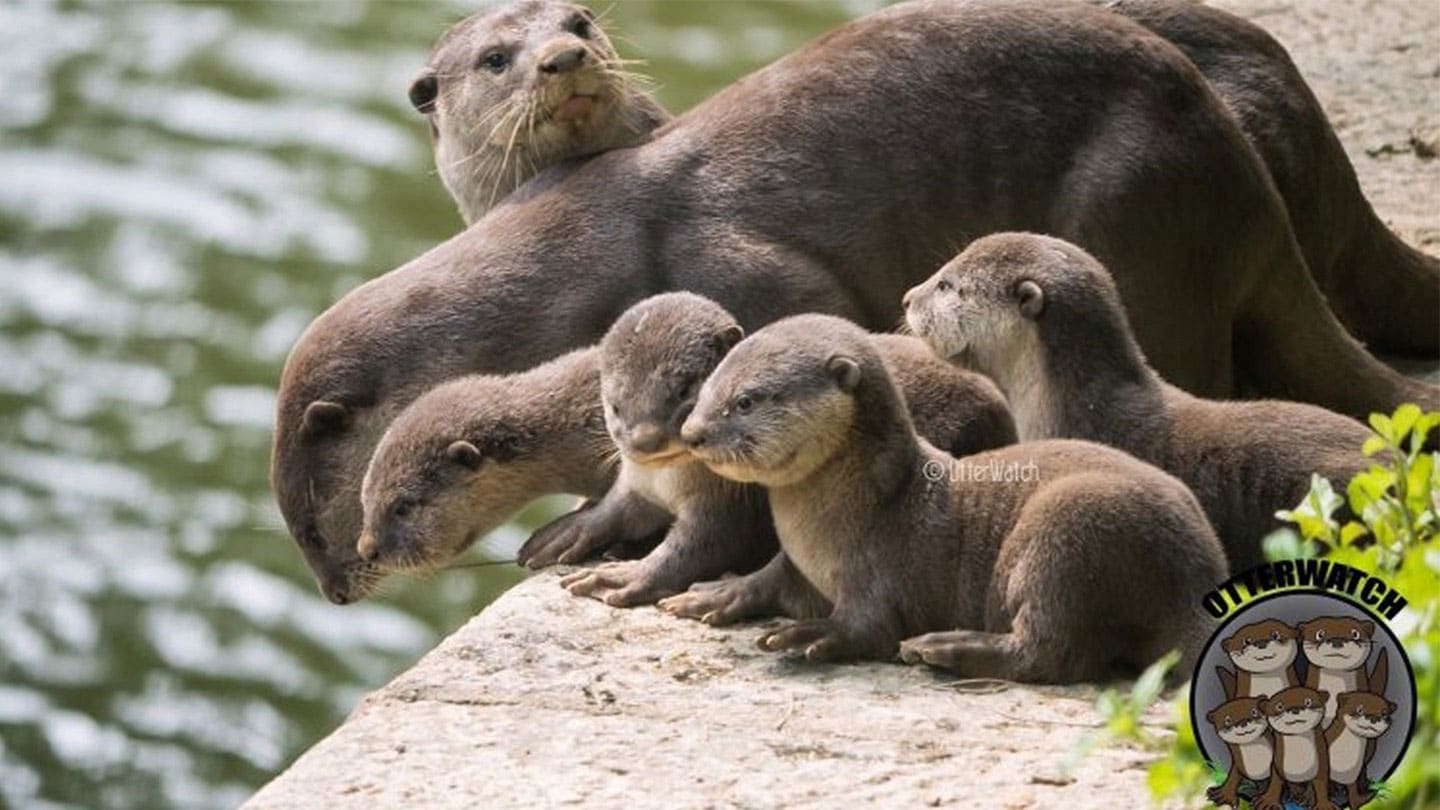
point(800, 456)
point(1310, 740)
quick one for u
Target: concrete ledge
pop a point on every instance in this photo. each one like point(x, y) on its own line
point(545, 699)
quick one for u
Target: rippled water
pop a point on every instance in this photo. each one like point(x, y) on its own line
point(182, 188)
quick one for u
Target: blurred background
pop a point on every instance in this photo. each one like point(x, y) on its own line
point(183, 186)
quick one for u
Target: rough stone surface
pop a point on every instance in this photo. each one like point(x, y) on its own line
point(545, 700)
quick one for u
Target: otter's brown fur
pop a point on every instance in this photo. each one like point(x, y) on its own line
point(1091, 567)
point(773, 199)
point(1066, 359)
point(653, 361)
point(513, 90)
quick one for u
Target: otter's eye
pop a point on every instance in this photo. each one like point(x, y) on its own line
point(403, 508)
point(495, 61)
point(943, 286)
point(580, 27)
point(1319, 635)
point(1274, 635)
point(1355, 634)
point(744, 403)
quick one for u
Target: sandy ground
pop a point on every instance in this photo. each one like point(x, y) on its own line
point(547, 700)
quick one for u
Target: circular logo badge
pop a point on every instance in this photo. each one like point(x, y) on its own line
point(1302, 699)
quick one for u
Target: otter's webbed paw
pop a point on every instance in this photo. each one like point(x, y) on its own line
point(569, 539)
point(1219, 796)
point(820, 639)
point(719, 602)
point(619, 584)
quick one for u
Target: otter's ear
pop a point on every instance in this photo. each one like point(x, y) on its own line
point(1394, 707)
point(1324, 695)
point(1031, 299)
point(423, 92)
point(844, 371)
point(323, 416)
point(465, 454)
point(726, 340)
point(1264, 703)
point(1369, 627)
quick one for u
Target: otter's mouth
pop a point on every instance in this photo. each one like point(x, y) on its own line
point(1290, 723)
point(660, 459)
point(577, 106)
point(1270, 657)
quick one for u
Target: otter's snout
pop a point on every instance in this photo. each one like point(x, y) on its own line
point(647, 439)
point(909, 297)
point(368, 546)
point(694, 433)
point(423, 92)
point(563, 61)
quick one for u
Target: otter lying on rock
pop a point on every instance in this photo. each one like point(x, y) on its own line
point(1091, 567)
point(1042, 318)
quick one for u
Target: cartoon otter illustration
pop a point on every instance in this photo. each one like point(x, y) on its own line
point(1361, 718)
point(1246, 732)
point(1337, 648)
point(1301, 755)
point(1264, 654)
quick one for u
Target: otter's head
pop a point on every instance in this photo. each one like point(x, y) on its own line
point(1239, 721)
point(788, 398)
point(1296, 710)
point(1337, 642)
point(1263, 647)
point(998, 305)
point(652, 363)
point(454, 465)
point(1366, 714)
point(512, 90)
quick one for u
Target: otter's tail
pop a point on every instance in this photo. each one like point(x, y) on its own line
point(1288, 345)
point(1387, 292)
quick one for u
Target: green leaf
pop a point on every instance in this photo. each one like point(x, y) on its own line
point(1381, 424)
point(1403, 420)
point(1373, 445)
point(1351, 532)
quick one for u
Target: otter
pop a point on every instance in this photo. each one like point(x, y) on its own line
point(1361, 718)
point(1246, 733)
point(1042, 318)
point(1040, 571)
point(653, 361)
point(513, 90)
point(1384, 291)
point(883, 175)
point(1337, 649)
point(469, 454)
point(1264, 655)
point(1301, 760)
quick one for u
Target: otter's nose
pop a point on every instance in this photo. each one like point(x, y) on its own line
point(909, 298)
point(367, 546)
point(647, 439)
point(336, 592)
point(564, 61)
point(423, 92)
point(1337, 643)
point(692, 434)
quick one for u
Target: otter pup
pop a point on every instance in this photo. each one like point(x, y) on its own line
point(1301, 755)
point(1245, 731)
point(1337, 648)
point(1363, 717)
point(653, 361)
point(512, 91)
point(1264, 655)
point(1042, 318)
point(1091, 566)
point(469, 454)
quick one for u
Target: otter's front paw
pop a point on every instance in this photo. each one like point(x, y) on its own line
point(618, 584)
point(1218, 795)
point(569, 539)
point(821, 639)
point(1268, 802)
point(1324, 803)
point(716, 603)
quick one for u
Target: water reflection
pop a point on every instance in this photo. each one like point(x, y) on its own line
point(182, 188)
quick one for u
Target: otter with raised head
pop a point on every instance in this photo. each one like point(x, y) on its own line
point(469, 454)
point(1264, 656)
point(882, 175)
point(1043, 319)
point(1301, 764)
point(653, 361)
point(516, 89)
point(1362, 718)
point(1337, 649)
point(1042, 571)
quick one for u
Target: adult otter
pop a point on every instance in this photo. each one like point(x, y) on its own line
point(1337, 649)
point(1247, 736)
point(653, 361)
point(1301, 764)
point(469, 454)
point(1384, 291)
point(1092, 566)
point(513, 90)
point(773, 199)
point(1043, 319)
point(1362, 718)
